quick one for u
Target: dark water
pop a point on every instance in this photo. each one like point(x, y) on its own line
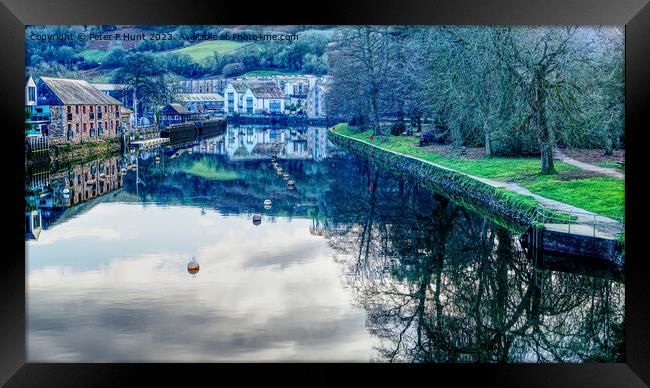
point(354, 264)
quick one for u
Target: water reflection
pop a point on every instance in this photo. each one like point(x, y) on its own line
point(356, 263)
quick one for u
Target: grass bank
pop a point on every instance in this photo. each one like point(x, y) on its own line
point(601, 195)
point(204, 50)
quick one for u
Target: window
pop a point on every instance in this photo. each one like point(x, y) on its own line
point(83, 109)
point(231, 101)
point(76, 109)
point(77, 128)
point(32, 93)
point(69, 109)
point(249, 104)
point(36, 221)
point(85, 127)
point(105, 108)
point(91, 108)
point(274, 106)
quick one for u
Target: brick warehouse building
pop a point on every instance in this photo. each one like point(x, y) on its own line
point(79, 112)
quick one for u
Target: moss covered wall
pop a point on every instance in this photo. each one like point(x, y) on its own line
point(504, 209)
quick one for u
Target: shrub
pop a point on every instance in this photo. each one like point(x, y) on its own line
point(434, 136)
point(357, 121)
point(398, 128)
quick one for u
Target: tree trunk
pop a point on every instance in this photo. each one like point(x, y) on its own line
point(544, 132)
point(608, 144)
point(488, 141)
point(375, 113)
point(548, 168)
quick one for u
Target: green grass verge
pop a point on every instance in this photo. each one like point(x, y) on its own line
point(204, 170)
point(602, 195)
point(609, 164)
point(203, 50)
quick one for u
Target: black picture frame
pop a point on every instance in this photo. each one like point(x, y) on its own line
point(16, 14)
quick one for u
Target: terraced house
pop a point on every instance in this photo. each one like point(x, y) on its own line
point(79, 112)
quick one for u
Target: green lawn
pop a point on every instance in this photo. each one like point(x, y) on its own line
point(93, 55)
point(602, 195)
point(203, 50)
point(258, 73)
point(205, 170)
point(613, 165)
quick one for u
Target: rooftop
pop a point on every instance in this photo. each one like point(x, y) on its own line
point(198, 97)
point(76, 92)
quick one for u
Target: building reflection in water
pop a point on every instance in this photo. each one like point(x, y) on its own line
point(248, 142)
point(48, 195)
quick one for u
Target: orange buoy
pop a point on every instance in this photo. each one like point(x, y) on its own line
point(193, 266)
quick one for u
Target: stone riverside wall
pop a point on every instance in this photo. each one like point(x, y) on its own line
point(76, 153)
point(490, 201)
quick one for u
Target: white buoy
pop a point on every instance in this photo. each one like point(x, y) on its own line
point(267, 202)
point(285, 176)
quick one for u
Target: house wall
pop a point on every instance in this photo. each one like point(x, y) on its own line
point(72, 118)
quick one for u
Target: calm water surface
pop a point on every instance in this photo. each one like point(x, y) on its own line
point(354, 264)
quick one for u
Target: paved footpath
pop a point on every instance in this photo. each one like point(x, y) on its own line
point(604, 226)
point(559, 155)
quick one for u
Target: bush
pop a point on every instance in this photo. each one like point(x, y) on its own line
point(357, 121)
point(434, 136)
point(398, 128)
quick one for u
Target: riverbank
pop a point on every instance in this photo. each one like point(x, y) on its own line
point(65, 154)
point(603, 195)
point(508, 203)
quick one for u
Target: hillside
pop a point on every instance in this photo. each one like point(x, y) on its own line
point(203, 50)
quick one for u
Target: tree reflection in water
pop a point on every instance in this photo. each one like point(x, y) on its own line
point(442, 284)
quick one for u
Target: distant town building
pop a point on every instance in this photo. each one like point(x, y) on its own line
point(316, 99)
point(120, 92)
point(176, 114)
point(294, 87)
point(234, 97)
point(254, 97)
point(72, 110)
point(210, 103)
point(208, 85)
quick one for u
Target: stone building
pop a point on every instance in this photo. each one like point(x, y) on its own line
point(78, 111)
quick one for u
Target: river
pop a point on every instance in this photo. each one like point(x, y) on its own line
point(355, 263)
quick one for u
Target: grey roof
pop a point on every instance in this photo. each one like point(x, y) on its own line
point(110, 86)
point(175, 109)
point(265, 89)
point(76, 91)
point(240, 86)
point(199, 97)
